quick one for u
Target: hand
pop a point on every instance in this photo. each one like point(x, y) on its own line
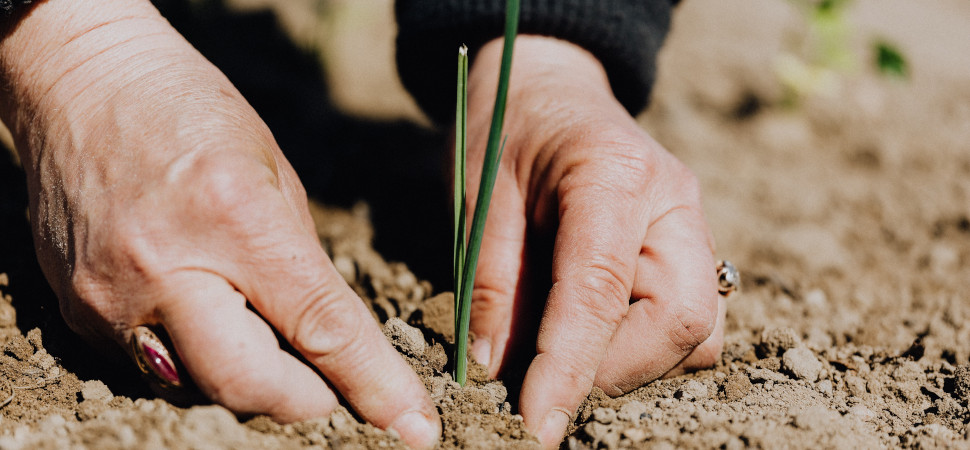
point(159, 197)
point(634, 292)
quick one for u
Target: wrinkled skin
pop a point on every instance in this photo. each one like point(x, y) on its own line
point(158, 197)
point(584, 190)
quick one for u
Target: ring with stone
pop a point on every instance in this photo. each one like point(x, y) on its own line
point(728, 278)
point(153, 359)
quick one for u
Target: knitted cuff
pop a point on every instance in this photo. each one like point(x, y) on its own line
point(624, 35)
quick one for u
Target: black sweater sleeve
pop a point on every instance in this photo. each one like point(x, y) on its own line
point(624, 35)
point(7, 6)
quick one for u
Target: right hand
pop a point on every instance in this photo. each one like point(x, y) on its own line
point(158, 197)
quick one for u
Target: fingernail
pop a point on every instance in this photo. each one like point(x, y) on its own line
point(553, 428)
point(482, 351)
point(417, 430)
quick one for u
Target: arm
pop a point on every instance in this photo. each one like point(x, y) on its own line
point(159, 197)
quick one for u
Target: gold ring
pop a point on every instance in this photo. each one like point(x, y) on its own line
point(153, 358)
point(728, 278)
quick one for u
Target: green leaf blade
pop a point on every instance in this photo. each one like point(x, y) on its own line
point(460, 229)
point(493, 153)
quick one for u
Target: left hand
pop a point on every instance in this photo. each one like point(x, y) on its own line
point(634, 292)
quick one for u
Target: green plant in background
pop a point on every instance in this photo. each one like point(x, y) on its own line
point(828, 53)
point(890, 61)
point(466, 255)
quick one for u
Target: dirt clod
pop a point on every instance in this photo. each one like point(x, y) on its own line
point(736, 386)
point(775, 341)
point(405, 338)
point(692, 390)
point(962, 383)
point(95, 390)
point(802, 363)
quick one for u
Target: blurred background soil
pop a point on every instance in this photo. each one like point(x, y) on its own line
point(847, 209)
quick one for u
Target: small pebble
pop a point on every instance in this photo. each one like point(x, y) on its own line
point(734, 443)
point(346, 268)
point(736, 386)
point(597, 430)
point(8, 315)
point(635, 435)
point(632, 411)
point(405, 279)
point(775, 341)
point(861, 412)
point(802, 363)
point(816, 299)
point(943, 258)
point(825, 387)
point(856, 385)
point(815, 418)
point(95, 390)
point(692, 390)
point(605, 416)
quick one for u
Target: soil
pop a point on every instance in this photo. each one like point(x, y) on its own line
point(848, 214)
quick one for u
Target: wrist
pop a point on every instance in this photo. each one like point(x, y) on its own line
point(67, 42)
point(554, 85)
point(69, 72)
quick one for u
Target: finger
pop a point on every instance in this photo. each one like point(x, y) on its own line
point(594, 261)
point(233, 355)
point(709, 352)
point(499, 276)
point(302, 295)
point(677, 308)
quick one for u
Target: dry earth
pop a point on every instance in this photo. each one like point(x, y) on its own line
point(848, 214)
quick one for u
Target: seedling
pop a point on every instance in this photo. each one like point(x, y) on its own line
point(827, 55)
point(890, 60)
point(465, 255)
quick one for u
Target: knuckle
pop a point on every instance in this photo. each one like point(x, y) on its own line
point(637, 165)
point(693, 322)
point(222, 190)
point(489, 298)
point(604, 293)
point(325, 325)
point(572, 373)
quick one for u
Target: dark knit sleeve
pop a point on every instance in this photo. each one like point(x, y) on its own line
point(624, 35)
point(8, 6)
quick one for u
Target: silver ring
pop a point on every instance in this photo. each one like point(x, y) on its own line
point(728, 278)
point(153, 358)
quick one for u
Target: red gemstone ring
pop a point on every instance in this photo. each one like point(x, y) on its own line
point(153, 358)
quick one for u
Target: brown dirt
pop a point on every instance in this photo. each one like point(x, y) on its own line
point(848, 215)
